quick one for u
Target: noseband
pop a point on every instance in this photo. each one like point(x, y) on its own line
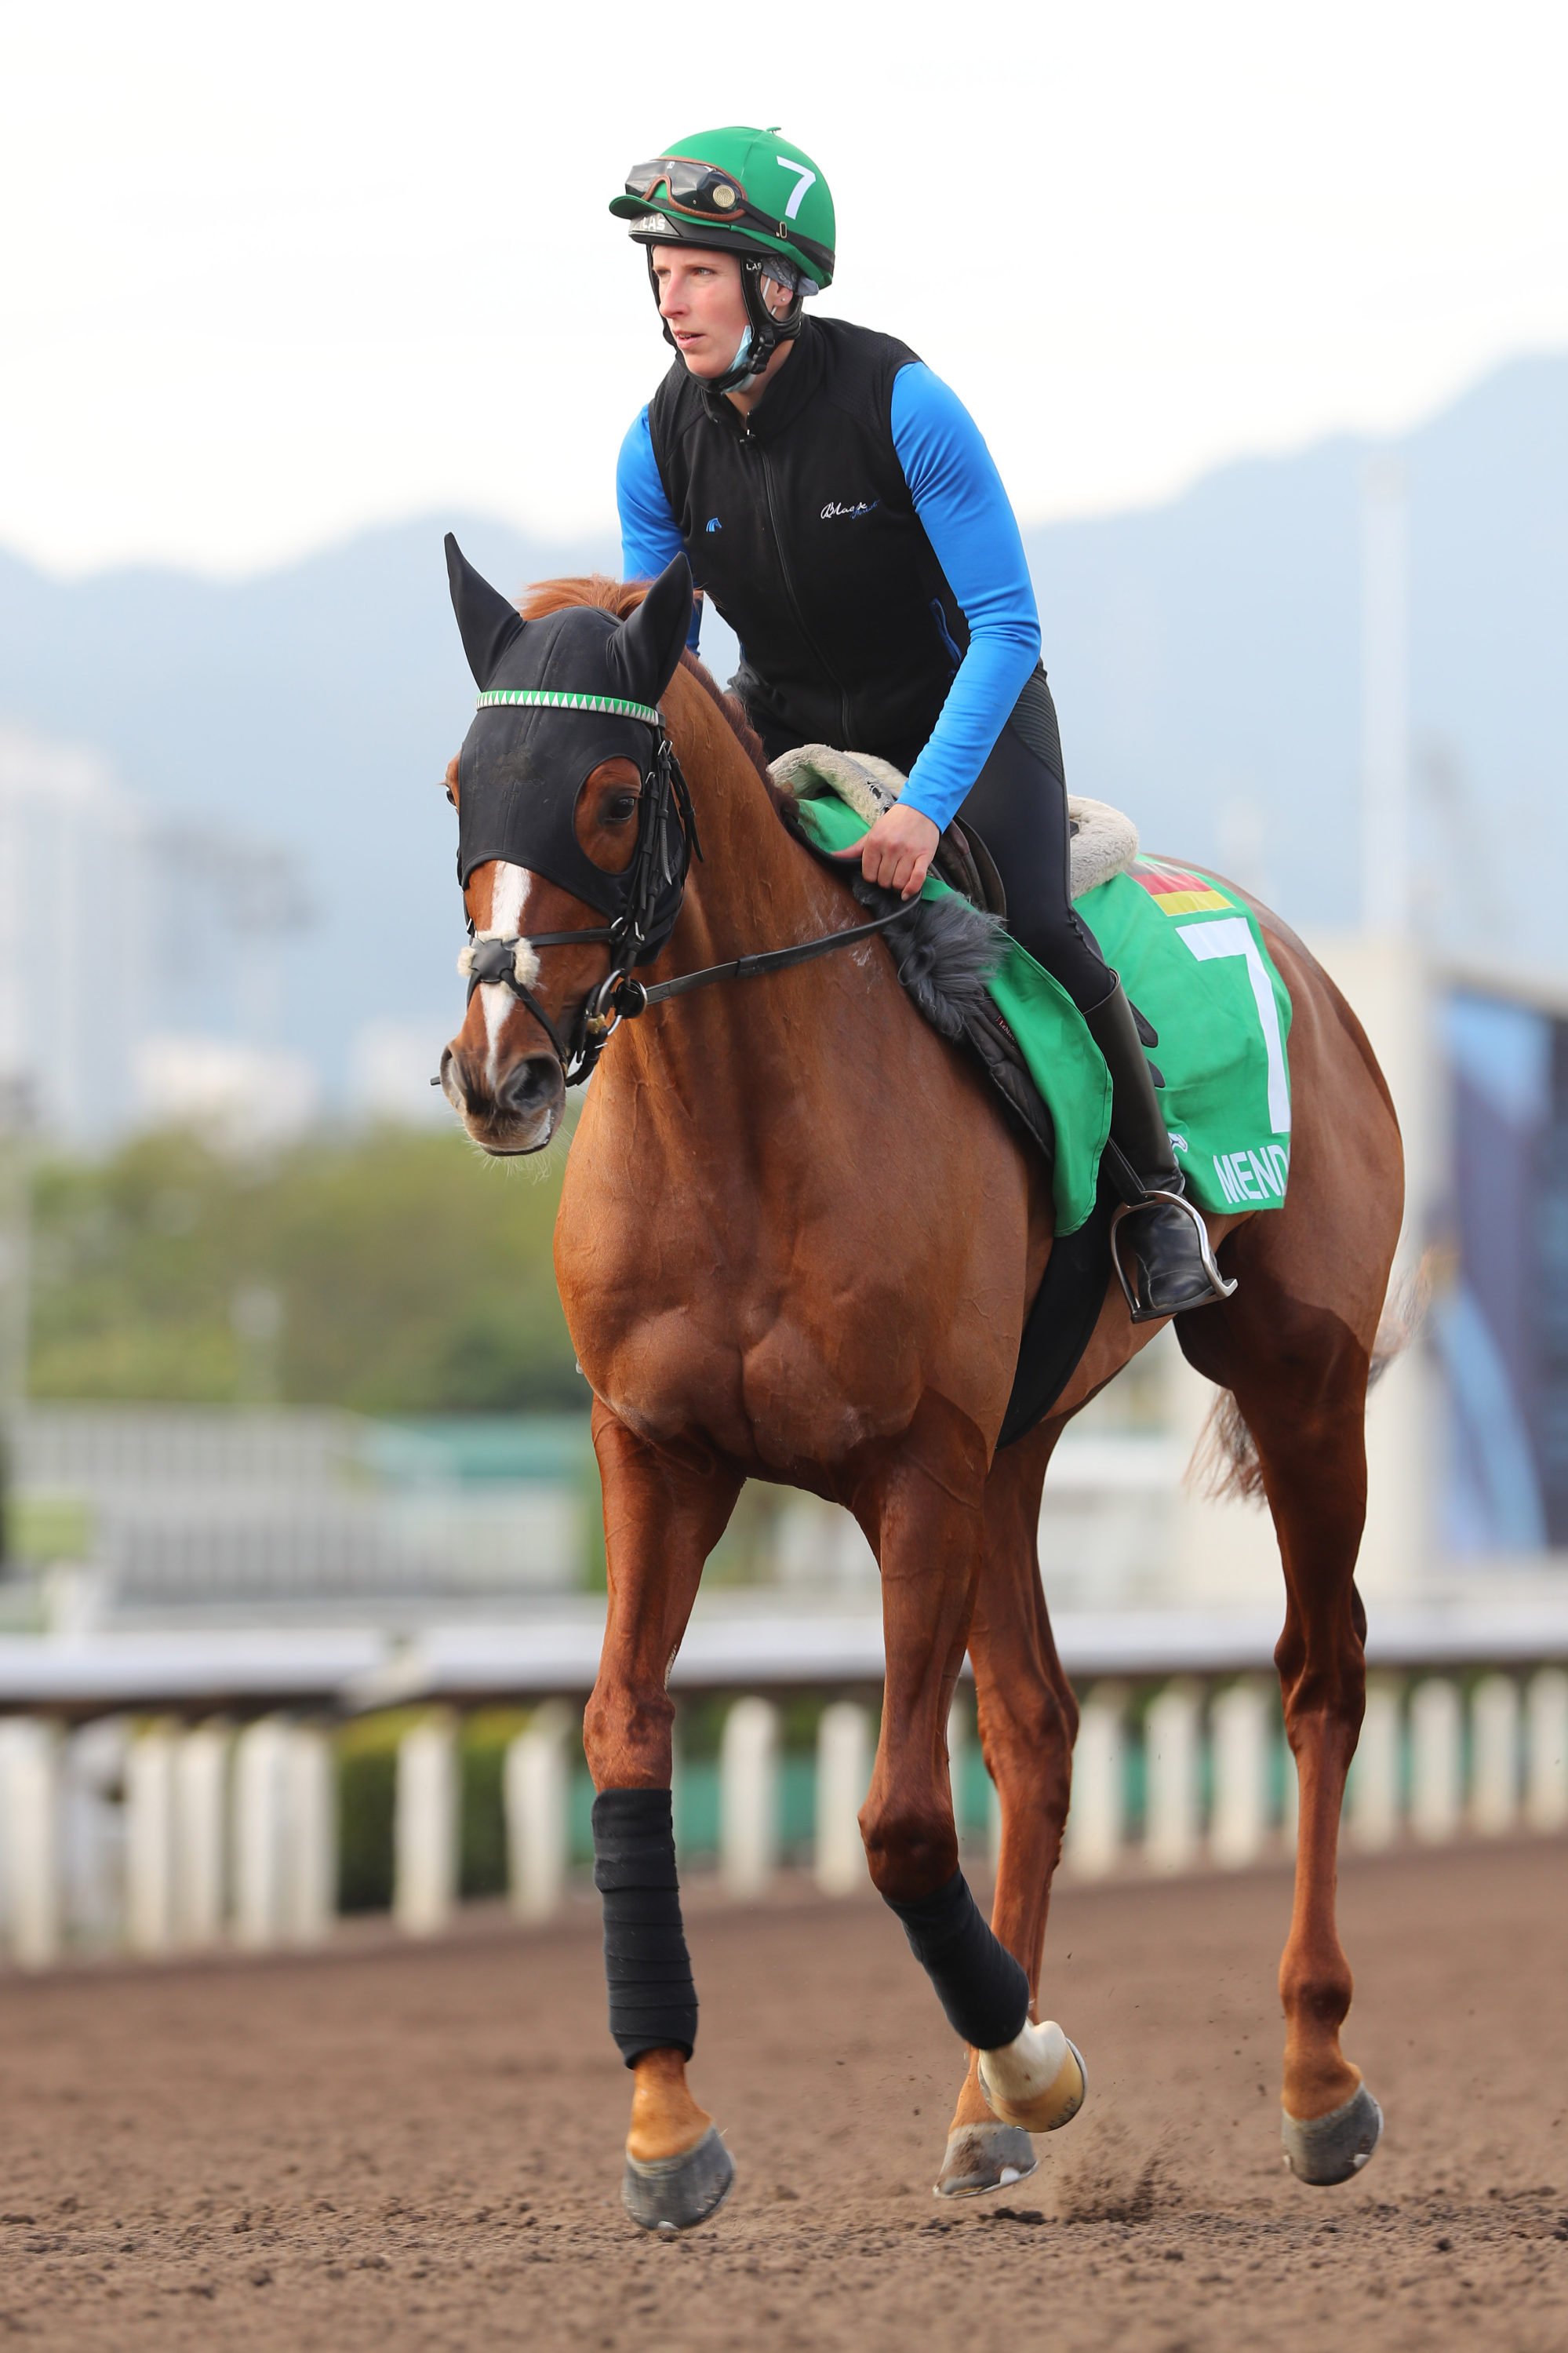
point(656, 882)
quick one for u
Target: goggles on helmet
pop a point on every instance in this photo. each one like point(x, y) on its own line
point(691, 187)
point(698, 192)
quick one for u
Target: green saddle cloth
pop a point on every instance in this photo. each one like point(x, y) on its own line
point(1192, 958)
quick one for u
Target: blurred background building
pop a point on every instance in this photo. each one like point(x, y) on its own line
point(142, 955)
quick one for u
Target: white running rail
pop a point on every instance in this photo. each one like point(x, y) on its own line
point(164, 1835)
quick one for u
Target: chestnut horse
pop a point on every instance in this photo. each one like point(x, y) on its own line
point(796, 1242)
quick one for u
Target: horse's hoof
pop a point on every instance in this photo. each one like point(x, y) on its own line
point(979, 2158)
point(675, 2193)
point(1038, 2081)
point(1326, 2150)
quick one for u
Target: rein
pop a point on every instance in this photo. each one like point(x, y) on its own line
point(620, 995)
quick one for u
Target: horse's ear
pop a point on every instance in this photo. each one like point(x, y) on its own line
point(645, 648)
point(486, 623)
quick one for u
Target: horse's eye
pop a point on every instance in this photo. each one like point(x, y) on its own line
point(620, 809)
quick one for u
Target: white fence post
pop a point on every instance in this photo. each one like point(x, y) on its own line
point(1434, 1761)
point(1240, 1723)
point(677, 1778)
point(425, 1884)
point(843, 1772)
point(93, 1857)
point(748, 1797)
point(1290, 1794)
point(960, 1729)
point(1546, 1718)
point(1494, 1734)
point(29, 1840)
point(536, 1789)
point(311, 1836)
point(1097, 1819)
point(1171, 1734)
point(261, 1808)
point(198, 1778)
point(149, 1841)
point(1372, 1797)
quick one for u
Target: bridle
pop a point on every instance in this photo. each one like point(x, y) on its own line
point(656, 882)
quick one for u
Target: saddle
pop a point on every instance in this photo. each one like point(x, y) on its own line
point(1104, 842)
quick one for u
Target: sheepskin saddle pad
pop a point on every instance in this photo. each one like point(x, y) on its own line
point(1104, 840)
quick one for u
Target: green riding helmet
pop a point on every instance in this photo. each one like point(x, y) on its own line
point(739, 189)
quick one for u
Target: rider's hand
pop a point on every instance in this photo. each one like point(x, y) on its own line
point(897, 852)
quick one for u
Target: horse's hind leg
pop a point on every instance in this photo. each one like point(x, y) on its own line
point(1299, 1375)
point(1028, 1721)
point(663, 1514)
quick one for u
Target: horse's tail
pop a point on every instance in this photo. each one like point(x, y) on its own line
point(1226, 1465)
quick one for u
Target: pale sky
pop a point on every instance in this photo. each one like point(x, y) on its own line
point(270, 275)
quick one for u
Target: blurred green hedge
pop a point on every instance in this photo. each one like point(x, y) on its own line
point(367, 1796)
point(367, 1790)
point(367, 1787)
point(402, 1274)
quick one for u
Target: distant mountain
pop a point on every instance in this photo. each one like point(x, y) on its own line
point(1205, 658)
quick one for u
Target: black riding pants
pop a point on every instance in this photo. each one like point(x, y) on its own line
point(1018, 806)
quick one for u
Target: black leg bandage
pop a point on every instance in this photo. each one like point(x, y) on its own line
point(653, 2003)
point(979, 1984)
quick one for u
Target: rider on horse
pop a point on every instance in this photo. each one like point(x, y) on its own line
point(837, 502)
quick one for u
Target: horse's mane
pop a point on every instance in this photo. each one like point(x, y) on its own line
point(623, 596)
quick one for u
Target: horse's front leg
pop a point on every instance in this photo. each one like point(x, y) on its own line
point(1028, 1718)
point(928, 1524)
point(664, 1511)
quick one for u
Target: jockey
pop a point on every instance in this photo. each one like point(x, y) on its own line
point(838, 504)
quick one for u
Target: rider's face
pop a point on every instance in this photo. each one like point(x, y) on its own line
point(699, 300)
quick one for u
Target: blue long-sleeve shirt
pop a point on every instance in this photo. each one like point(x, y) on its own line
point(965, 513)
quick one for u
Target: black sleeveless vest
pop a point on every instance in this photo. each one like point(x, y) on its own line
point(800, 526)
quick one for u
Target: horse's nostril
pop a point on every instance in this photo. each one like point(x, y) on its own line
point(530, 1085)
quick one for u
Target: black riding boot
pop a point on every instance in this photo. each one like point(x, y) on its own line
point(1158, 1241)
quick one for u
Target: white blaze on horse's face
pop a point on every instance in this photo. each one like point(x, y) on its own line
point(507, 1104)
point(509, 888)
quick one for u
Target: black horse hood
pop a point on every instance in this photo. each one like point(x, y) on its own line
point(523, 765)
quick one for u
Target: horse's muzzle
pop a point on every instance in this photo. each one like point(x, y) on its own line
point(523, 1111)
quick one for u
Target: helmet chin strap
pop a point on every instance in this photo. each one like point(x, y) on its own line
point(741, 359)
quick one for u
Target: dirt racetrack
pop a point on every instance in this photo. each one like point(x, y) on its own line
point(391, 2149)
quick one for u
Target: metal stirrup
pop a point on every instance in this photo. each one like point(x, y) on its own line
point(1219, 1288)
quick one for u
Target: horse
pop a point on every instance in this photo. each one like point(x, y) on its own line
point(796, 1242)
